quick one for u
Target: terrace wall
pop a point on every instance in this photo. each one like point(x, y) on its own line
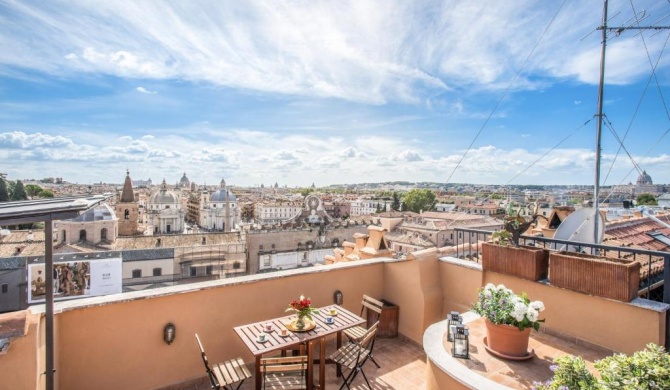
point(116, 342)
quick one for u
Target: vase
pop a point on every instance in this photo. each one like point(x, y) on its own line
point(507, 341)
point(300, 323)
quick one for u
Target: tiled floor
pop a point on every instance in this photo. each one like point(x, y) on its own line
point(402, 367)
point(522, 374)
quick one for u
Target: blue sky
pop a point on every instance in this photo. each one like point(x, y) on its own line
point(326, 91)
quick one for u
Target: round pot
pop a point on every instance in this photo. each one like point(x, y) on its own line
point(507, 340)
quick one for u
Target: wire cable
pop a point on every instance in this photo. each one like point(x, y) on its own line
point(506, 91)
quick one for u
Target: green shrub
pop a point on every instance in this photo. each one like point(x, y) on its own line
point(646, 369)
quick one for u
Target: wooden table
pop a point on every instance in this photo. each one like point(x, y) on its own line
point(343, 320)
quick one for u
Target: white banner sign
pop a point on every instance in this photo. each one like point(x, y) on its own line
point(76, 279)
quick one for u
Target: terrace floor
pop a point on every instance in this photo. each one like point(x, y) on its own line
point(522, 374)
point(402, 367)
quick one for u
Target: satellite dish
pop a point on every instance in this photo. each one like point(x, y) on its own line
point(579, 227)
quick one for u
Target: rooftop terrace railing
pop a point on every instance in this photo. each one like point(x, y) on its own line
point(654, 271)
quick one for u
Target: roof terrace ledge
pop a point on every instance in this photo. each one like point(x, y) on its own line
point(642, 303)
point(436, 353)
point(84, 303)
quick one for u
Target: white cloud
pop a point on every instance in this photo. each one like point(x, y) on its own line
point(19, 139)
point(356, 50)
point(145, 91)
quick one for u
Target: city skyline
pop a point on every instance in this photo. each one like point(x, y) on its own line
point(326, 93)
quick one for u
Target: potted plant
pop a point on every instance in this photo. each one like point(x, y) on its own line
point(509, 319)
point(506, 256)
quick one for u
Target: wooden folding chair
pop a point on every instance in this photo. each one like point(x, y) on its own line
point(284, 373)
point(353, 355)
point(225, 375)
point(357, 332)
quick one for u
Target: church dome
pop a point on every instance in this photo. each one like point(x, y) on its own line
point(220, 194)
point(184, 182)
point(164, 196)
point(644, 179)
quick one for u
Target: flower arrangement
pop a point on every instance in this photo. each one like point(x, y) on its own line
point(501, 306)
point(302, 307)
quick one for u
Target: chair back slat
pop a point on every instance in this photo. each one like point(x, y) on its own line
point(373, 301)
point(372, 307)
point(369, 335)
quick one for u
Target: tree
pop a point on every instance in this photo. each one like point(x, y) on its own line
point(33, 190)
point(419, 200)
point(46, 194)
point(19, 192)
point(396, 202)
point(646, 199)
point(4, 193)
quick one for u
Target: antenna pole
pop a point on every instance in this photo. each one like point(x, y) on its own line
point(599, 127)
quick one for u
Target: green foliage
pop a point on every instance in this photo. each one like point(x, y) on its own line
point(46, 194)
point(502, 237)
point(395, 205)
point(306, 191)
point(646, 199)
point(33, 190)
point(419, 200)
point(570, 373)
point(646, 369)
point(19, 192)
point(4, 192)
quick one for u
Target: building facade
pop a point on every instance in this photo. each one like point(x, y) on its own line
point(164, 212)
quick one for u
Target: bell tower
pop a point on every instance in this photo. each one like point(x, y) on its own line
point(127, 209)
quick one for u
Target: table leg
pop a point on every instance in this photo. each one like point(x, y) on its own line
point(310, 365)
point(339, 344)
point(322, 364)
point(259, 380)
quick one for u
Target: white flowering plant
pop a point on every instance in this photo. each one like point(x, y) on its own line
point(501, 306)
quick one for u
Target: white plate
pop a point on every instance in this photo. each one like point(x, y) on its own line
point(262, 341)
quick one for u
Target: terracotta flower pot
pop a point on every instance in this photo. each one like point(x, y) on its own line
point(507, 340)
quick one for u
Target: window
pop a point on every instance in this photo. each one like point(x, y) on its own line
point(169, 228)
point(5, 288)
point(236, 265)
point(158, 271)
point(64, 235)
point(126, 214)
point(82, 235)
point(137, 273)
point(103, 234)
point(209, 269)
point(192, 271)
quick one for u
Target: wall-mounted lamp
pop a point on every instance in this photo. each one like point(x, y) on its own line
point(169, 333)
point(338, 297)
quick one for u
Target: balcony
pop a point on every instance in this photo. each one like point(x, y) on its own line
point(117, 342)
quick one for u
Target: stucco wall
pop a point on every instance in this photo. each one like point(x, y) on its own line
point(415, 286)
point(436, 379)
point(460, 281)
point(120, 345)
point(20, 366)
